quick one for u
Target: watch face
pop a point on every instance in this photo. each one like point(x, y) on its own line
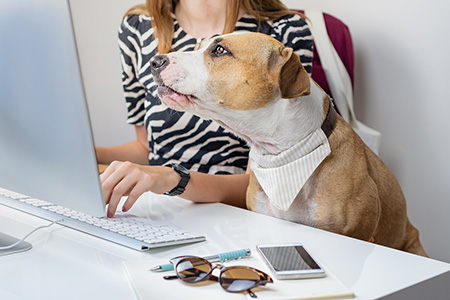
point(180, 168)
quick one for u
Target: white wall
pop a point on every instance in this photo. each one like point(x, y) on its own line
point(402, 72)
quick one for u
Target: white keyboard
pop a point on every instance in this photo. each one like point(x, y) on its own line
point(130, 231)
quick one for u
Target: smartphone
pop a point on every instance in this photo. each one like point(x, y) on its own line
point(290, 261)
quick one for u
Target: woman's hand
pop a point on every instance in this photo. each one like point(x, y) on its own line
point(132, 180)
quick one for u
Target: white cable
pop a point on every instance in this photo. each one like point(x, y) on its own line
point(33, 231)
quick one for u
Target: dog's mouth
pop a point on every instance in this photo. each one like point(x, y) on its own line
point(174, 99)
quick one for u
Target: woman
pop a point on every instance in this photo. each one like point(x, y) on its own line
point(165, 136)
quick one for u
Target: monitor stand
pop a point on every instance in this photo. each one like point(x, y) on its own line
point(6, 240)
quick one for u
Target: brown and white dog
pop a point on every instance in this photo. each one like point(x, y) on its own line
point(256, 87)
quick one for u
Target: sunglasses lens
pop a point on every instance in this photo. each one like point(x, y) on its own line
point(239, 279)
point(193, 269)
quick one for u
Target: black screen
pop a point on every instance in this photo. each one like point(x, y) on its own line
point(289, 258)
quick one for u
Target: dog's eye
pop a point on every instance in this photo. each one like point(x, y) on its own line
point(219, 50)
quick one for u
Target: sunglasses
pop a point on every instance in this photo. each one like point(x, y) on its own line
point(235, 279)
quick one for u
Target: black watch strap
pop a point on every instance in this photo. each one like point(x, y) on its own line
point(185, 176)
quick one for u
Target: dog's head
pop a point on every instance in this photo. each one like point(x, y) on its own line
point(244, 71)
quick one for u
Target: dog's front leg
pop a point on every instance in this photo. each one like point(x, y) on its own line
point(351, 210)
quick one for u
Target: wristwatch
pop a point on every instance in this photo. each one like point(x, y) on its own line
point(185, 176)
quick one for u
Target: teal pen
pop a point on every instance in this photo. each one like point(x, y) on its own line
point(213, 258)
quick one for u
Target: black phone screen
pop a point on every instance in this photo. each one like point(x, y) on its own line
point(289, 258)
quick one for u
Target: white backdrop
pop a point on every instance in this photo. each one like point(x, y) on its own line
point(402, 74)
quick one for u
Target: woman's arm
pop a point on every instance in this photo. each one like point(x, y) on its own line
point(229, 189)
point(132, 180)
point(135, 151)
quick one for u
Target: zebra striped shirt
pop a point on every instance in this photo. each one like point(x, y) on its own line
point(180, 137)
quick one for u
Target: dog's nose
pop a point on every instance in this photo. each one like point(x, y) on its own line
point(159, 63)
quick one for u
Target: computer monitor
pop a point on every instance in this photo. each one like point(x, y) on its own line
point(46, 143)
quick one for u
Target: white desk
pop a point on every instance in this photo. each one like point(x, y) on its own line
point(67, 264)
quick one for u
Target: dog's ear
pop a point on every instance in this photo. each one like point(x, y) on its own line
point(294, 80)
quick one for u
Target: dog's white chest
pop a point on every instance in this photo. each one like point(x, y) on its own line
point(301, 210)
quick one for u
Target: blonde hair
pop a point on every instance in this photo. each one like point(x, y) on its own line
point(161, 13)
